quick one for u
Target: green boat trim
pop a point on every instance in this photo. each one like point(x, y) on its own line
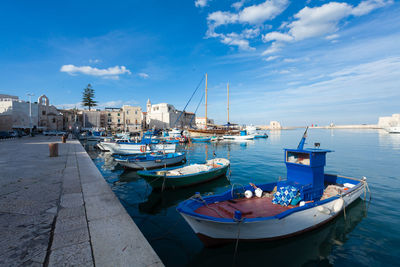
point(170, 178)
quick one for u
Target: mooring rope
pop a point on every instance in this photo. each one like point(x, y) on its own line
point(237, 241)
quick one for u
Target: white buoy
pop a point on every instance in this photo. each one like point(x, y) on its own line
point(258, 192)
point(338, 205)
point(248, 194)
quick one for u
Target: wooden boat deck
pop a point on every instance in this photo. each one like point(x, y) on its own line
point(250, 208)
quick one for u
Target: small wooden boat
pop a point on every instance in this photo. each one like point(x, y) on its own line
point(151, 161)
point(186, 176)
point(308, 199)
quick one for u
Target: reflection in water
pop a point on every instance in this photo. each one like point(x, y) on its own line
point(274, 136)
point(391, 140)
point(158, 201)
point(310, 249)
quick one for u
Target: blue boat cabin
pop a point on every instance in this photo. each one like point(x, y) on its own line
point(305, 171)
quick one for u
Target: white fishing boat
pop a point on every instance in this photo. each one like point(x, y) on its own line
point(153, 160)
point(393, 129)
point(308, 199)
point(243, 136)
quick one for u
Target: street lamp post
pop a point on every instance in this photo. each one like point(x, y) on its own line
point(30, 112)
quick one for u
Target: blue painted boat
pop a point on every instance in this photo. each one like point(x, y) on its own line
point(150, 161)
point(307, 199)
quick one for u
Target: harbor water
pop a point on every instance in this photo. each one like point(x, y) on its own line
point(369, 234)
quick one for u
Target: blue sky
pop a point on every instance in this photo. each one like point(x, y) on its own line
point(298, 62)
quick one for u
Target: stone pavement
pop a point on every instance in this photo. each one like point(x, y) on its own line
point(59, 211)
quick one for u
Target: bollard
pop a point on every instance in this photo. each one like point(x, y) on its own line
point(53, 148)
point(63, 138)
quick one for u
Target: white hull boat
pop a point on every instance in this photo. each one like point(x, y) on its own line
point(297, 220)
point(393, 129)
point(308, 199)
point(238, 137)
point(149, 161)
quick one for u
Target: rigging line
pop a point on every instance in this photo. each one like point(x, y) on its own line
point(198, 105)
point(189, 100)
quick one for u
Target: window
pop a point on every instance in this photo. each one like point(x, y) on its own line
point(119, 114)
point(135, 121)
point(136, 112)
point(54, 120)
point(127, 112)
point(43, 112)
point(119, 119)
point(109, 114)
point(109, 120)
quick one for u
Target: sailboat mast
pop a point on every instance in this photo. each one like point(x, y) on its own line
point(228, 102)
point(206, 100)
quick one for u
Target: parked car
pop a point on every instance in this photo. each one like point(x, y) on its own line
point(5, 135)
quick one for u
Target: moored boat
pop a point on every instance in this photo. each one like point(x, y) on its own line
point(393, 129)
point(186, 176)
point(149, 161)
point(308, 199)
point(243, 136)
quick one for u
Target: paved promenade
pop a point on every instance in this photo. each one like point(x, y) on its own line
point(59, 211)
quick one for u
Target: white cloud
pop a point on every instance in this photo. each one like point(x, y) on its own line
point(290, 60)
point(238, 5)
point(367, 6)
point(253, 15)
point(332, 37)
point(277, 36)
point(322, 20)
point(143, 75)
point(275, 47)
point(312, 22)
point(237, 40)
point(270, 58)
point(265, 11)
point(111, 73)
point(201, 3)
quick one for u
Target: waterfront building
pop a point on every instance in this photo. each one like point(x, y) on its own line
point(17, 114)
point(274, 125)
point(201, 122)
point(164, 116)
point(385, 122)
point(127, 118)
point(93, 119)
point(50, 119)
point(72, 119)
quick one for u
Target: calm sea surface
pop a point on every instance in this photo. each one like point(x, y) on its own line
point(370, 235)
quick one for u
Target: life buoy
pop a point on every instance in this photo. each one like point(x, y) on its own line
point(142, 149)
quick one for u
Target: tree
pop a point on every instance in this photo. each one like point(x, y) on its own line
point(88, 97)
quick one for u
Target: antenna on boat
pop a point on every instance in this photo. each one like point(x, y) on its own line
point(303, 140)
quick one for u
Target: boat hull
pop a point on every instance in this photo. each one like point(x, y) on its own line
point(150, 164)
point(172, 182)
point(212, 232)
point(116, 148)
point(393, 129)
point(238, 137)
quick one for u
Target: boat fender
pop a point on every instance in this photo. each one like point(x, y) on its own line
point(324, 210)
point(258, 192)
point(248, 194)
point(338, 205)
